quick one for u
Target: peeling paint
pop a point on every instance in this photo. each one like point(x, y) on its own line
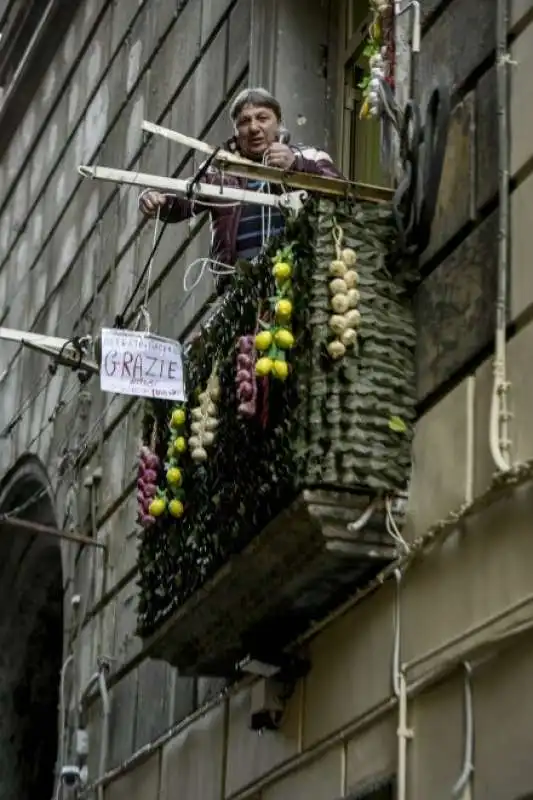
point(134, 64)
point(52, 141)
point(60, 189)
point(91, 211)
point(37, 228)
point(36, 171)
point(21, 202)
point(93, 67)
point(69, 45)
point(66, 254)
point(89, 270)
point(49, 85)
point(134, 134)
point(28, 127)
point(73, 100)
point(5, 231)
point(95, 124)
point(39, 290)
point(132, 216)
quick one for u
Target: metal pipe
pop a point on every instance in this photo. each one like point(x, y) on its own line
point(18, 524)
point(499, 418)
point(104, 739)
point(465, 777)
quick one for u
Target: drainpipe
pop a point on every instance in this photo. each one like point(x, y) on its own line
point(500, 444)
point(399, 685)
point(99, 678)
point(104, 739)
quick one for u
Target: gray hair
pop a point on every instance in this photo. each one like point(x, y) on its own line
point(254, 97)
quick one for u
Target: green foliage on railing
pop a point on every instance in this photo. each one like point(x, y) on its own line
point(345, 423)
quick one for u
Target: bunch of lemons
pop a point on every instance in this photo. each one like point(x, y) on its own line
point(277, 338)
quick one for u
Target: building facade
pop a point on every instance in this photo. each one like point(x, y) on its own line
point(419, 680)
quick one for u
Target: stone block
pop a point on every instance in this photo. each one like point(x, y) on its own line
point(213, 13)
point(251, 756)
point(208, 689)
point(503, 691)
point(455, 308)
point(320, 780)
point(455, 203)
point(123, 699)
point(153, 702)
point(437, 715)
point(183, 691)
point(466, 28)
point(491, 549)
point(141, 783)
point(339, 689)
point(440, 470)
point(210, 80)
point(184, 763)
point(127, 643)
point(520, 111)
point(518, 10)
point(521, 278)
point(371, 754)
point(238, 45)
point(486, 137)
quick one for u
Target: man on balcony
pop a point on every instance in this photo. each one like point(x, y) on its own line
point(239, 231)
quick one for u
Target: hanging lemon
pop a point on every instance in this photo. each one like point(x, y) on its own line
point(174, 476)
point(176, 508)
point(284, 308)
point(157, 507)
point(282, 271)
point(284, 339)
point(263, 340)
point(263, 367)
point(280, 369)
point(178, 418)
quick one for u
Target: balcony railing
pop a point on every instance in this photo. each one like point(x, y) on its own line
point(258, 541)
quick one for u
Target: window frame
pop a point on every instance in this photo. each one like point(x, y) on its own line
point(350, 42)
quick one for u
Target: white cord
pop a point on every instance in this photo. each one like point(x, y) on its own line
point(211, 264)
point(392, 527)
point(463, 780)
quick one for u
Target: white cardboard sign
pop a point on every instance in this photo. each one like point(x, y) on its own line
point(141, 364)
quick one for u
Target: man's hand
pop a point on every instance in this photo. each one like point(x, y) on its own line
point(150, 202)
point(280, 155)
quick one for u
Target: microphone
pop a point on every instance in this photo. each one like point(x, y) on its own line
point(284, 136)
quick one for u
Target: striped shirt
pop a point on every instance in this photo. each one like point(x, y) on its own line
point(257, 221)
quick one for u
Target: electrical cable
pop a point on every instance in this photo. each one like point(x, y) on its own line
point(422, 151)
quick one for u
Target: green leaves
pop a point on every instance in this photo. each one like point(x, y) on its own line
point(397, 425)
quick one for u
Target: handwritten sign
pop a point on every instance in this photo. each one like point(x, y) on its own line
point(141, 364)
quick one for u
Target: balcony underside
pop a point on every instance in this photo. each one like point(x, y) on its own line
point(300, 566)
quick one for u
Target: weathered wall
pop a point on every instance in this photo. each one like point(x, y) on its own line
point(69, 254)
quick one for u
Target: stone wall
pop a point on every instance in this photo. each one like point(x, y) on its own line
point(70, 252)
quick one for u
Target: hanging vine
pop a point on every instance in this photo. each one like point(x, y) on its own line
point(379, 50)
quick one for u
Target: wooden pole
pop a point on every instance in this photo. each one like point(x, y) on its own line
point(243, 167)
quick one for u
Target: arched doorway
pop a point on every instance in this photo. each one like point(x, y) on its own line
point(31, 639)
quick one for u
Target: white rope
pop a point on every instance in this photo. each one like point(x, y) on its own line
point(392, 527)
point(207, 263)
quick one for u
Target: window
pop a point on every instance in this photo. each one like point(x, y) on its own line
point(360, 139)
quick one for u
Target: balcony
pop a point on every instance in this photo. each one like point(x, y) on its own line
point(261, 544)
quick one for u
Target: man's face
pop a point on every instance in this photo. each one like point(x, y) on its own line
point(256, 128)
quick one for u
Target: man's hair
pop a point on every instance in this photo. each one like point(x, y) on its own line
point(254, 97)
